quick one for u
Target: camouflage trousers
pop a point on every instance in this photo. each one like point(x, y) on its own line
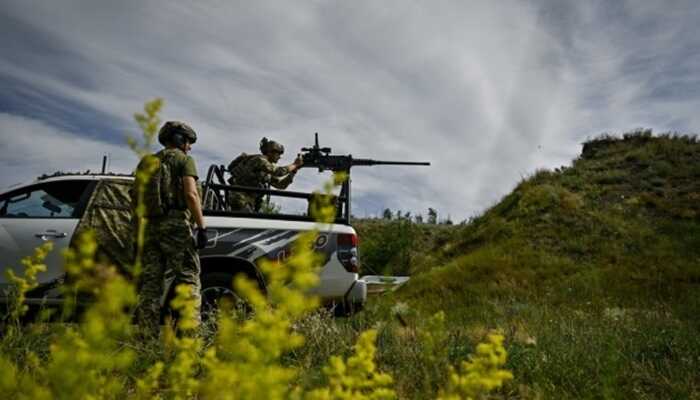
point(168, 246)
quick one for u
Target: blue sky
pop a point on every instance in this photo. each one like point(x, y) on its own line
point(489, 92)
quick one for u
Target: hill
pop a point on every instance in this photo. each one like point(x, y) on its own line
point(622, 222)
point(592, 271)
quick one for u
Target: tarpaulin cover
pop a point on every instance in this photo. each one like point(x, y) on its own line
point(108, 214)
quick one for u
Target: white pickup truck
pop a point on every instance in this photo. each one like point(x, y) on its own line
point(56, 208)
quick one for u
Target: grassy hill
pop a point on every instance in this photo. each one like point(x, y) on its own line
point(623, 222)
point(592, 271)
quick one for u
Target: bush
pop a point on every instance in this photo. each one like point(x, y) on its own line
point(387, 248)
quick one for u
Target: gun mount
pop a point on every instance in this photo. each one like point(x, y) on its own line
point(321, 158)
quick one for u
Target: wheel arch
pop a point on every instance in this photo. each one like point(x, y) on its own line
point(233, 265)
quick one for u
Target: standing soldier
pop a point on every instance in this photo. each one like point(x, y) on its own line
point(259, 171)
point(171, 201)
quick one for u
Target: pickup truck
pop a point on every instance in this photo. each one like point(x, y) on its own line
point(58, 207)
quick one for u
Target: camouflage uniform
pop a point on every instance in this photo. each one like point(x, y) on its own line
point(169, 245)
point(255, 171)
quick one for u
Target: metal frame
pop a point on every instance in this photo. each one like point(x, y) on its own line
point(216, 192)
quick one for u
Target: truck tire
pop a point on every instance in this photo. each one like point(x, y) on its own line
point(346, 309)
point(217, 291)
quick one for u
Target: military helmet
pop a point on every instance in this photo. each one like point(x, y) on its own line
point(267, 145)
point(175, 132)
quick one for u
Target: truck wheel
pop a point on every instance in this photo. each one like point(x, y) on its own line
point(218, 293)
point(346, 309)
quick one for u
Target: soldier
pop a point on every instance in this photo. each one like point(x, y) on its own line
point(171, 200)
point(260, 171)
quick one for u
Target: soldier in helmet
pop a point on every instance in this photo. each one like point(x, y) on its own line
point(172, 201)
point(259, 170)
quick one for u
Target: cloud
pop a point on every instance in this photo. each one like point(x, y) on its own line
point(487, 91)
point(33, 148)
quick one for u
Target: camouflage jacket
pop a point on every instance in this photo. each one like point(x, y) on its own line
point(255, 170)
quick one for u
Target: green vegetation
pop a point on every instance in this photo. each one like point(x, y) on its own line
point(586, 277)
point(602, 228)
point(401, 245)
point(282, 349)
point(591, 271)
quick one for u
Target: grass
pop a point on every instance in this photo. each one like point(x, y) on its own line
point(591, 272)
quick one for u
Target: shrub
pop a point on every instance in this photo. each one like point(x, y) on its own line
point(33, 265)
point(356, 378)
point(482, 373)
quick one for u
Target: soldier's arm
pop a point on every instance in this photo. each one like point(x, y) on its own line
point(271, 169)
point(282, 182)
point(194, 204)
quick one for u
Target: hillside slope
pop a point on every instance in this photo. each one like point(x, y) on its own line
point(591, 272)
point(623, 222)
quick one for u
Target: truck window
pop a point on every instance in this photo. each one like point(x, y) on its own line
point(49, 200)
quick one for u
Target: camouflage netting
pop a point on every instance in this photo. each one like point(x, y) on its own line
point(109, 214)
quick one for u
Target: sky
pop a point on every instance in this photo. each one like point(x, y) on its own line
point(487, 91)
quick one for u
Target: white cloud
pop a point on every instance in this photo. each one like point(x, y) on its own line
point(33, 148)
point(486, 91)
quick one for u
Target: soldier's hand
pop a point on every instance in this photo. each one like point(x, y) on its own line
point(299, 161)
point(201, 238)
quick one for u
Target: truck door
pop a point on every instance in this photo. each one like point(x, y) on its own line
point(37, 214)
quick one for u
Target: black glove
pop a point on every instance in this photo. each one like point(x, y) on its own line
point(201, 238)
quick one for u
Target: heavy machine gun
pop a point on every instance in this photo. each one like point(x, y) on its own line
point(321, 158)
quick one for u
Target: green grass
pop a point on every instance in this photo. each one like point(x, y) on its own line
point(592, 271)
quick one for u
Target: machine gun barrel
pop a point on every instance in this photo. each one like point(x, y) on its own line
point(367, 161)
point(344, 163)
